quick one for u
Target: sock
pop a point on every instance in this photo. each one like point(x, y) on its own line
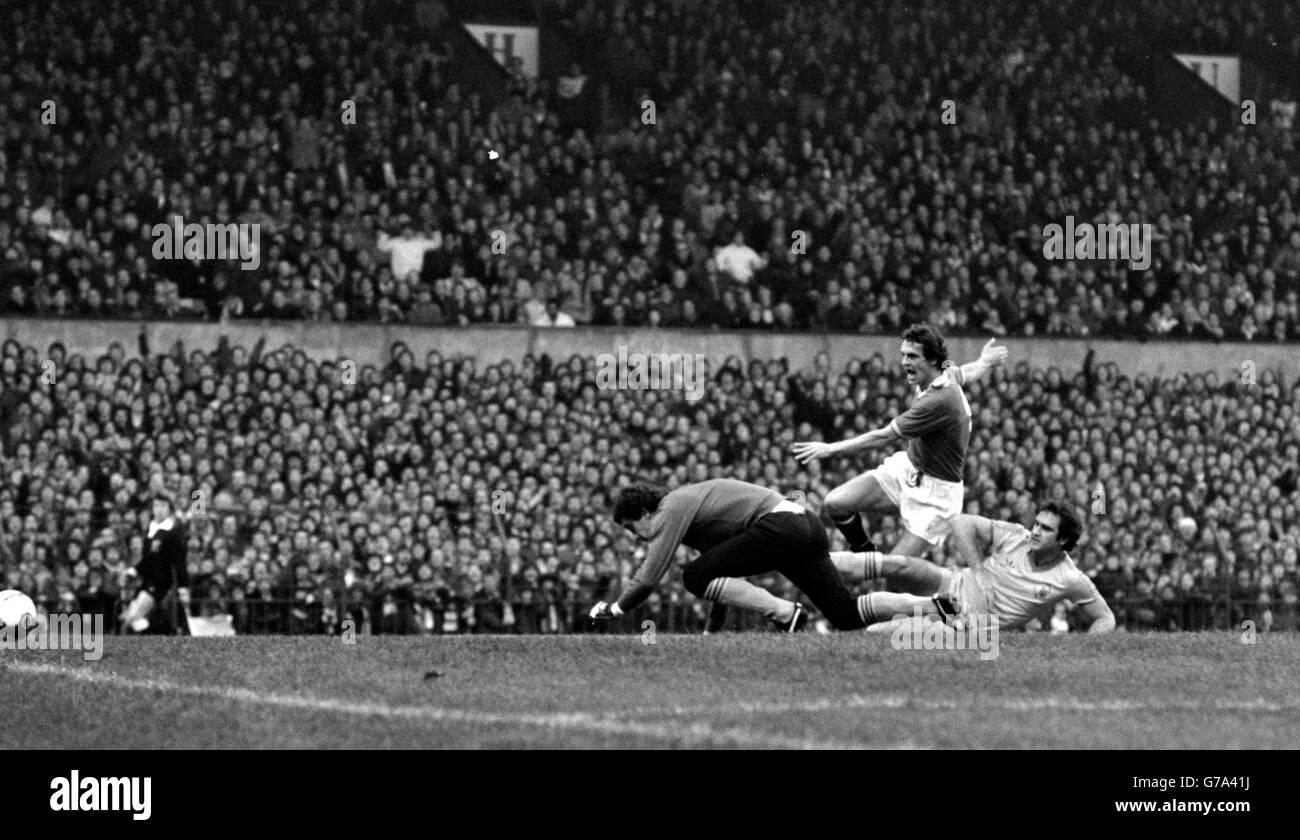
point(867, 608)
point(857, 566)
point(850, 565)
point(738, 592)
point(852, 530)
point(886, 606)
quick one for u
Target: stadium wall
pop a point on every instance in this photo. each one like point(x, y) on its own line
point(369, 344)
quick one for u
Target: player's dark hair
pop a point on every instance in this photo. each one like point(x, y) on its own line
point(635, 500)
point(932, 345)
point(1070, 528)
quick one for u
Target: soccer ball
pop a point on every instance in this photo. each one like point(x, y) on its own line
point(16, 610)
point(1187, 527)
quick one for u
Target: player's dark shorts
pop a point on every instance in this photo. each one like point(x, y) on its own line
point(794, 544)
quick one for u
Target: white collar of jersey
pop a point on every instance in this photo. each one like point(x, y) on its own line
point(165, 525)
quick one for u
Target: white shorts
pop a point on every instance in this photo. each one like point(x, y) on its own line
point(926, 507)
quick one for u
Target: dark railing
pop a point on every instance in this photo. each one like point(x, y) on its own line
point(1202, 613)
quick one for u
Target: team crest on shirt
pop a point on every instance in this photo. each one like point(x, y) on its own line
point(1042, 592)
point(155, 545)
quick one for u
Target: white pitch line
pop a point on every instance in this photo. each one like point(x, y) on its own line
point(1006, 704)
point(698, 733)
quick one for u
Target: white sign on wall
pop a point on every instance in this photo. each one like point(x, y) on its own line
point(1222, 72)
point(507, 43)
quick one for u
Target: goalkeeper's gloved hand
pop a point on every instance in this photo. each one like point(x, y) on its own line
point(604, 610)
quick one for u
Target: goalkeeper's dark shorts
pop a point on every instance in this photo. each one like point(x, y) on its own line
point(794, 544)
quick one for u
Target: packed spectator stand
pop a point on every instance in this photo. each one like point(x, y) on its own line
point(797, 175)
point(374, 500)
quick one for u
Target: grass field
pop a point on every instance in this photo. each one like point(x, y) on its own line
point(734, 690)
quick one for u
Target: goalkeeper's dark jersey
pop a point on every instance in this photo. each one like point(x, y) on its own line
point(699, 516)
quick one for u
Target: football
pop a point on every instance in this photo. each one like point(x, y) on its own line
point(16, 610)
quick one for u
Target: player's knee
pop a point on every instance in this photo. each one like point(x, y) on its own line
point(839, 504)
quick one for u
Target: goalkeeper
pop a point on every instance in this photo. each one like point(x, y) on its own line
point(742, 530)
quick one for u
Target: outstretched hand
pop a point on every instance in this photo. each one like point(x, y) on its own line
point(805, 452)
point(993, 356)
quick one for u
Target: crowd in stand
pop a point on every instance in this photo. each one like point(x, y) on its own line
point(798, 172)
point(431, 494)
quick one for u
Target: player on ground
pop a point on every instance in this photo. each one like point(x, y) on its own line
point(923, 483)
point(1013, 573)
point(742, 529)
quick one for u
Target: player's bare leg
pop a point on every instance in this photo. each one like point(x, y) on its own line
point(856, 496)
point(911, 545)
point(915, 575)
point(738, 592)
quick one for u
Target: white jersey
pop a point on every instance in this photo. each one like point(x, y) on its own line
point(1016, 591)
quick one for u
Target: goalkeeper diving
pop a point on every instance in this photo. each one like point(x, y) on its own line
point(742, 530)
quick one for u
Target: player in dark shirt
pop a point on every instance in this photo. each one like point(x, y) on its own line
point(742, 530)
point(923, 484)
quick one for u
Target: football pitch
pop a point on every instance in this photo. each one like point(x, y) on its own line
point(760, 690)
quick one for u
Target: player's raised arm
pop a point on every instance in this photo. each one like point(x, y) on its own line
point(808, 451)
point(990, 357)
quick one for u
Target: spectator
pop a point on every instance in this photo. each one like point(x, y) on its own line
point(407, 250)
point(553, 317)
point(737, 260)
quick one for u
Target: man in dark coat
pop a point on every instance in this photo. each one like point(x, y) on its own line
point(162, 569)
